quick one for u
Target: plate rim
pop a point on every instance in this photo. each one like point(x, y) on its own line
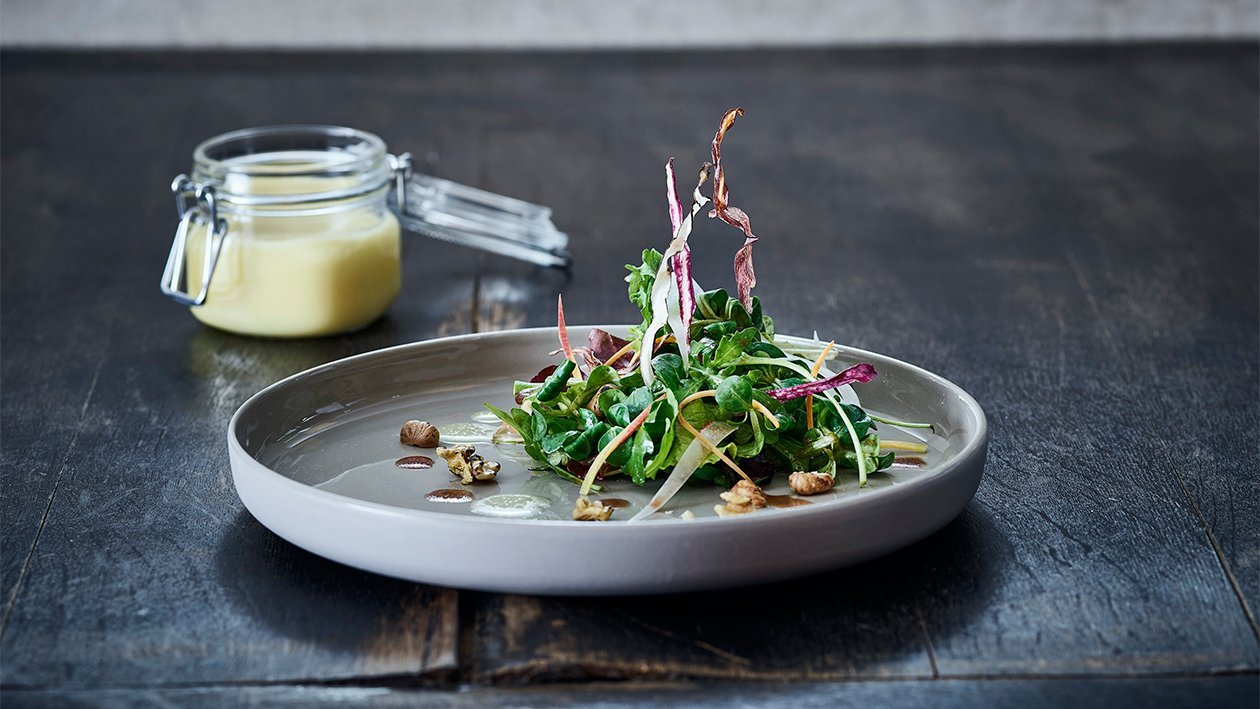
point(237, 451)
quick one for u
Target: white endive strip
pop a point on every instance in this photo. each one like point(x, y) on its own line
point(664, 283)
point(691, 459)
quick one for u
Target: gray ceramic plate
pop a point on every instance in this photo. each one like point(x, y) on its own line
point(313, 459)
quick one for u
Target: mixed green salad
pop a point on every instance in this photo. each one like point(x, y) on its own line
point(701, 391)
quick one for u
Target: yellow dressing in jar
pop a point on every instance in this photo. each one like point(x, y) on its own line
point(300, 276)
point(310, 247)
point(294, 231)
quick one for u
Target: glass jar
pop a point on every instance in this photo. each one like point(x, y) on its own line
point(293, 231)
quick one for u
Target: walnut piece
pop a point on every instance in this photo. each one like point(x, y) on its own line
point(587, 511)
point(744, 497)
point(803, 483)
point(421, 434)
point(470, 467)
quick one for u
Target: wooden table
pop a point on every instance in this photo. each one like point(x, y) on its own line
point(1069, 234)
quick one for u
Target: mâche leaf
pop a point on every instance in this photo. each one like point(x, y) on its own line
point(702, 392)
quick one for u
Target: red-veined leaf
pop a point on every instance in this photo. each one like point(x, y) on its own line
point(858, 373)
point(745, 278)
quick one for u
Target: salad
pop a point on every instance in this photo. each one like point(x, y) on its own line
point(702, 391)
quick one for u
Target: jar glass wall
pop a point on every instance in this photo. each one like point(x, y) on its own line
point(311, 246)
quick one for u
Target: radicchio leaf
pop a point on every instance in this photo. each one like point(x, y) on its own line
point(661, 286)
point(745, 278)
point(681, 265)
point(671, 194)
point(857, 373)
point(604, 345)
point(586, 360)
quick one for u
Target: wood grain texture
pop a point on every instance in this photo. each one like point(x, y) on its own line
point(1013, 232)
point(116, 403)
point(1069, 234)
point(856, 623)
point(1173, 693)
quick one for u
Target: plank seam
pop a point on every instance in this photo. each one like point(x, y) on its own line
point(1220, 552)
point(1113, 347)
point(927, 641)
point(11, 602)
point(412, 680)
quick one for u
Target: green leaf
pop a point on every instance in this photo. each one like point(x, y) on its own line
point(599, 377)
point(623, 413)
point(640, 282)
point(734, 395)
point(669, 369)
point(661, 418)
point(641, 447)
point(765, 349)
point(720, 329)
point(753, 447)
point(583, 446)
point(608, 399)
point(712, 304)
point(502, 415)
point(555, 383)
point(617, 458)
point(555, 441)
point(538, 425)
point(736, 313)
point(699, 414)
point(731, 347)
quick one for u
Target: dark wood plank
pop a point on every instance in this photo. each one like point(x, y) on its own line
point(1217, 198)
point(861, 622)
point(146, 568)
point(1172, 692)
point(1040, 226)
point(980, 221)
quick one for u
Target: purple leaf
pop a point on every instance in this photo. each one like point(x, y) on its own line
point(681, 261)
point(745, 278)
point(603, 345)
point(858, 373)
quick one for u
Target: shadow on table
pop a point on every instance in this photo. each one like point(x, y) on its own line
point(308, 599)
point(864, 621)
point(867, 620)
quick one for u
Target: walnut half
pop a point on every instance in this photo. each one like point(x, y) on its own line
point(470, 467)
point(421, 434)
point(587, 511)
point(803, 483)
point(743, 497)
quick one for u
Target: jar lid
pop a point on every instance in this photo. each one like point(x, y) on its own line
point(312, 165)
point(452, 212)
point(316, 169)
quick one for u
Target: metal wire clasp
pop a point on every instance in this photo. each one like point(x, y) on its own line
point(401, 165)
point(204, 210)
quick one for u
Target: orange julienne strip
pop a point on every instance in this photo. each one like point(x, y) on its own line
point(809, 400)
point(630, 345)
point(773, 420)
point(712, 448)
point(907, 446)
point(620, 353)
point(614, 444)
point(698, 395)
point(770, 417)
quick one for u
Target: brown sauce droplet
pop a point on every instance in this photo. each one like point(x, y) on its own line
point(449, 495)
point(615, 502)
point(415, 462)
point(781, 501)
point(909, 461)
